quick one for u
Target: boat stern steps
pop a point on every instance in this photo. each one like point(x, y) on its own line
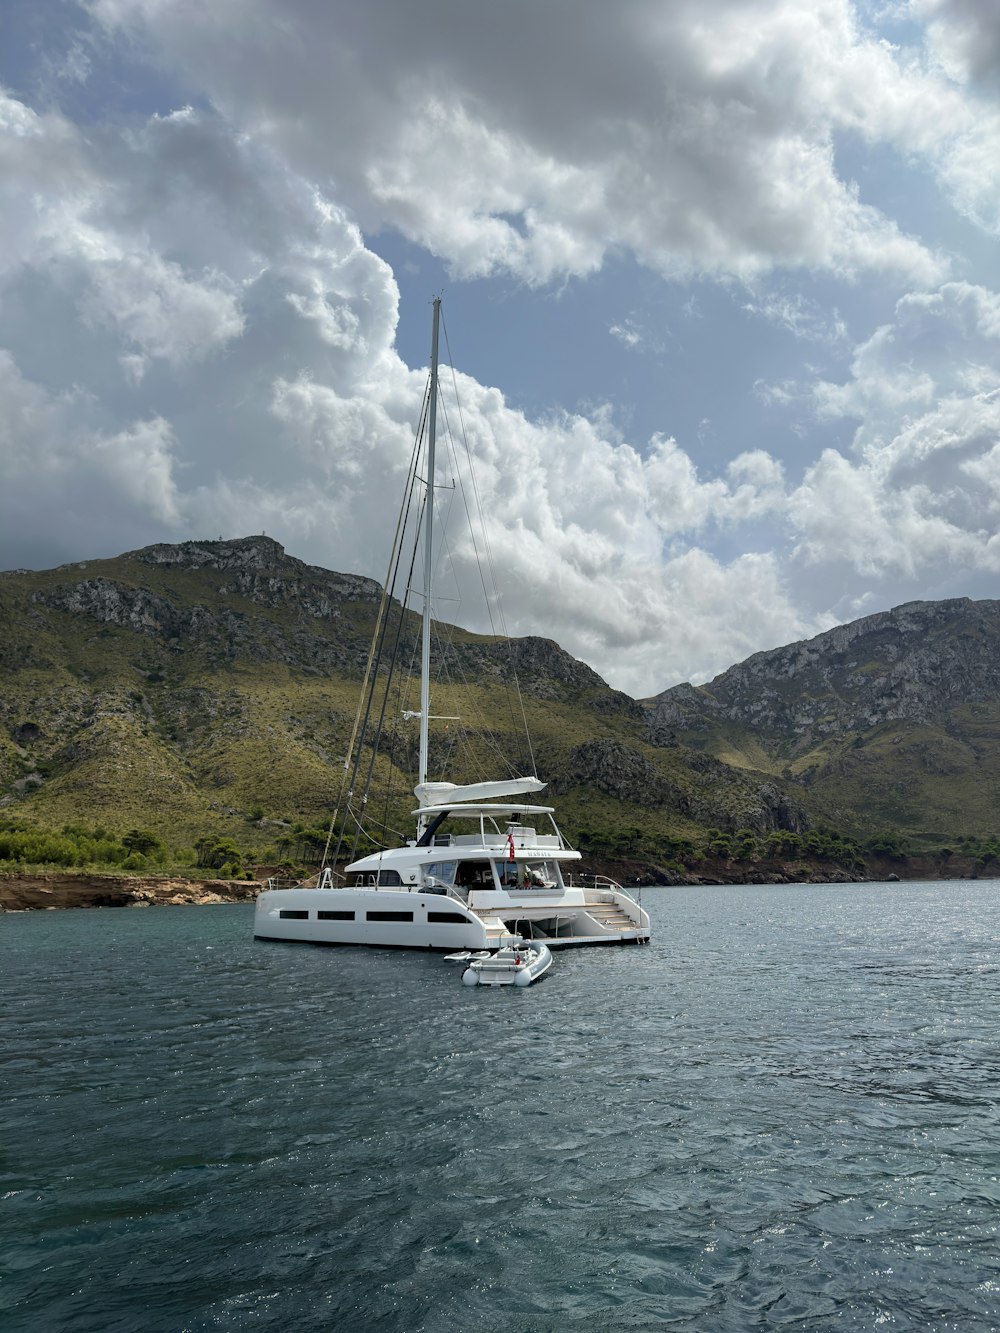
point(597, 923)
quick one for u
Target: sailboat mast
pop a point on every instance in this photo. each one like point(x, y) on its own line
point(425, 644)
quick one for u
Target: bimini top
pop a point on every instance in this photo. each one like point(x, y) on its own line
point(436, 795)
point(473, 810)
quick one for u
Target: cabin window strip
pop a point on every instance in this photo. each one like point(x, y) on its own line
point(293, 914)
point(447, 919)
point(388, 916)
point(335, 916)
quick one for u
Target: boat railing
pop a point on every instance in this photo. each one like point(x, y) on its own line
point(603, 888)
point(290, 882)
point(322, 879)
point(282, 882)
point(498, 843)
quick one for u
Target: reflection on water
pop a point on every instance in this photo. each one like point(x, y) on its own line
point(781, 1114)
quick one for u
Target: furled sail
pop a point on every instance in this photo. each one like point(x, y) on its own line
point(445, 793)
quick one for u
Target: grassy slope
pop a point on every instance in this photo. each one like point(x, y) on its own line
point(107, 724)
point(914, 778)
point(124, 728)
point(939, 780)
point(278, 749)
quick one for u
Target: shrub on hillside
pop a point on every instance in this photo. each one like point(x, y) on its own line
point(219, 854)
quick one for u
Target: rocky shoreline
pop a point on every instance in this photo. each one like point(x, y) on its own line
point(26, 892)
point(717, 870)
point(30, 892)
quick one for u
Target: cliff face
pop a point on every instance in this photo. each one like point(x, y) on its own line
point(541, 667)
point(212, 597)
point(246, 600)
point(26, 893)
point(915, 663)
point(892, 721)
point(706, 791)
point(263, 573)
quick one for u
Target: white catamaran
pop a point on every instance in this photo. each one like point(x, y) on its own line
point(478, 871)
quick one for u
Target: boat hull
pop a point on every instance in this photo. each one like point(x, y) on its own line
point(410, 919)
point(380, 917)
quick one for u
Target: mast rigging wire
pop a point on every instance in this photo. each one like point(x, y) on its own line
point(444, 637)
point(366, 696)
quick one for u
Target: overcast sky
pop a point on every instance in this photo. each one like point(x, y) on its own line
point(720, 277)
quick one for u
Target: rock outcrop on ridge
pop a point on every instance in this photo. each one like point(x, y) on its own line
point(892, 720)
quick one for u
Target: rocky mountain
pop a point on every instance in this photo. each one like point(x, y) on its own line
point(246, 600)
point(890, 721)
point(211, 687)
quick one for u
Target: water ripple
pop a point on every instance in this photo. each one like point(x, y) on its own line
point(782, 1114)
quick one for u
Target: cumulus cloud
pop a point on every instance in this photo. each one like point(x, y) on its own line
point(59, 473)
point(239, 309)
point(536, 139)
point(167, 280)
point(57, 222)
point(200, 341)
point(964, 36)
point(918, 492)
point(161, 312)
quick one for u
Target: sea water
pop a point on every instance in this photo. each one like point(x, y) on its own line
point(783, 1113)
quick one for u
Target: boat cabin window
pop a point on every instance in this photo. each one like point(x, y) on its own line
point(335, 916)
point(448, 918)
point(508, 873)
point(533, 874)
point(385, 879)
point(442, 870)
point(389, 916)
point(474, 875)
point(293, 914)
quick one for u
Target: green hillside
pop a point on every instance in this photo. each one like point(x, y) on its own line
point(204, 695)
point(208, 691)
point(891, 722)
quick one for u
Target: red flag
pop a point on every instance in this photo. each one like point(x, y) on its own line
point(510, 845)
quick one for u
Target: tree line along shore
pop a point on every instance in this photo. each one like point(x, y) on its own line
point(219, 873)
